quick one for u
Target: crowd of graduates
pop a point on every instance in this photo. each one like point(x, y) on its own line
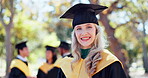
point(20, 68)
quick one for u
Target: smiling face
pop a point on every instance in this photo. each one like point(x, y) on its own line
point(85, 34)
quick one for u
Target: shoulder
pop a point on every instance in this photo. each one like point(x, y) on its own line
point(106, 54)
point(16, 71)
point(66, 60)
point(107, 59)
point(63, 61)
point(113, 70)
point(16, 61)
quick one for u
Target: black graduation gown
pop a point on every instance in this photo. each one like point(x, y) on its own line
point(17, 73)
point(41, 74)
point(114, 70)
point(43, 70)
point(53, 73)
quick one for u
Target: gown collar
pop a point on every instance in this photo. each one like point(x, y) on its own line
point(84, 53)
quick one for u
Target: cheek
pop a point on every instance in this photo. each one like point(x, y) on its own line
point(24, 52)
point(93, 34)
point(50, 55)
point(47, 54)
point(77, 34)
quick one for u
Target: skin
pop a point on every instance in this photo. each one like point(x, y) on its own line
point(24, 52)
point(49, 56)
point(85, 34)
point(62, 51)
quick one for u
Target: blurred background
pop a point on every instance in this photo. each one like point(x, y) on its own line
point(125, 24)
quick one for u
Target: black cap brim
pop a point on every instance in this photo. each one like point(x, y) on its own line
point(69, 14)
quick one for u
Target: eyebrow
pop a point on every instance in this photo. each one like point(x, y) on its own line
point(80, 25)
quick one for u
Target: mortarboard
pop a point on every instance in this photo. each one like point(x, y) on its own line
point(50, 48)
point(83, 13)
point(64, 45)
point(21, 45)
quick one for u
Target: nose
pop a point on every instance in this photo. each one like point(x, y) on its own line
point(84, 32)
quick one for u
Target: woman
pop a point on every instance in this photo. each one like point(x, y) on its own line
point(50, 60)
point(90, 60)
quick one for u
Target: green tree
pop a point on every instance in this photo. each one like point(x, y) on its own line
point(139, 18)
point(61, 27)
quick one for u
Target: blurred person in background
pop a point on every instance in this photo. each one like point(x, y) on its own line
point(51, 57)
point(64, 49)
point(19, 66)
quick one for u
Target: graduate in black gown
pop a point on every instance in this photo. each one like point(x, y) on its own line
point(64, 50)
point(19, 66)
point(51, 57)
point(91, 59)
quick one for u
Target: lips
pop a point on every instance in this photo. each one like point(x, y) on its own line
point(85, 38)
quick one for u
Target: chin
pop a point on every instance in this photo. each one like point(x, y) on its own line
point(27, 55)
point(85, 46)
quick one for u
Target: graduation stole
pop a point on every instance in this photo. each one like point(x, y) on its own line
point(58, 62)
point(21, 66)
point(46, 67)
point(79, 70)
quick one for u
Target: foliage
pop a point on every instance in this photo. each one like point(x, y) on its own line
point(41, 25)
point(127, 24)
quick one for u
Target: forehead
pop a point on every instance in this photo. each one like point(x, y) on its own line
point(48, 50)
point(86, 24)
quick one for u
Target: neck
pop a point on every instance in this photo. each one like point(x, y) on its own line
point(22, 56)
point(49, 61)
point(85, 47)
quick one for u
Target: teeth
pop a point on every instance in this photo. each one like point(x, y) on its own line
point(85, 38)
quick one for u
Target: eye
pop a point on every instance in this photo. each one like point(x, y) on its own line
point(89, 26)
point(79, 28)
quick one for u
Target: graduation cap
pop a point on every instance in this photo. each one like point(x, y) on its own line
point(64, 45)
point(50, 48)
point(21, 45)
point(83, 13)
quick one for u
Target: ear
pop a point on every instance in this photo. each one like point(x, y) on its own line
point(20, 50)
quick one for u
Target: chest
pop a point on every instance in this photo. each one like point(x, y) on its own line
point(75, 70)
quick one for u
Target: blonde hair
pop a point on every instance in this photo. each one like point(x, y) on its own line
point(94, 55)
